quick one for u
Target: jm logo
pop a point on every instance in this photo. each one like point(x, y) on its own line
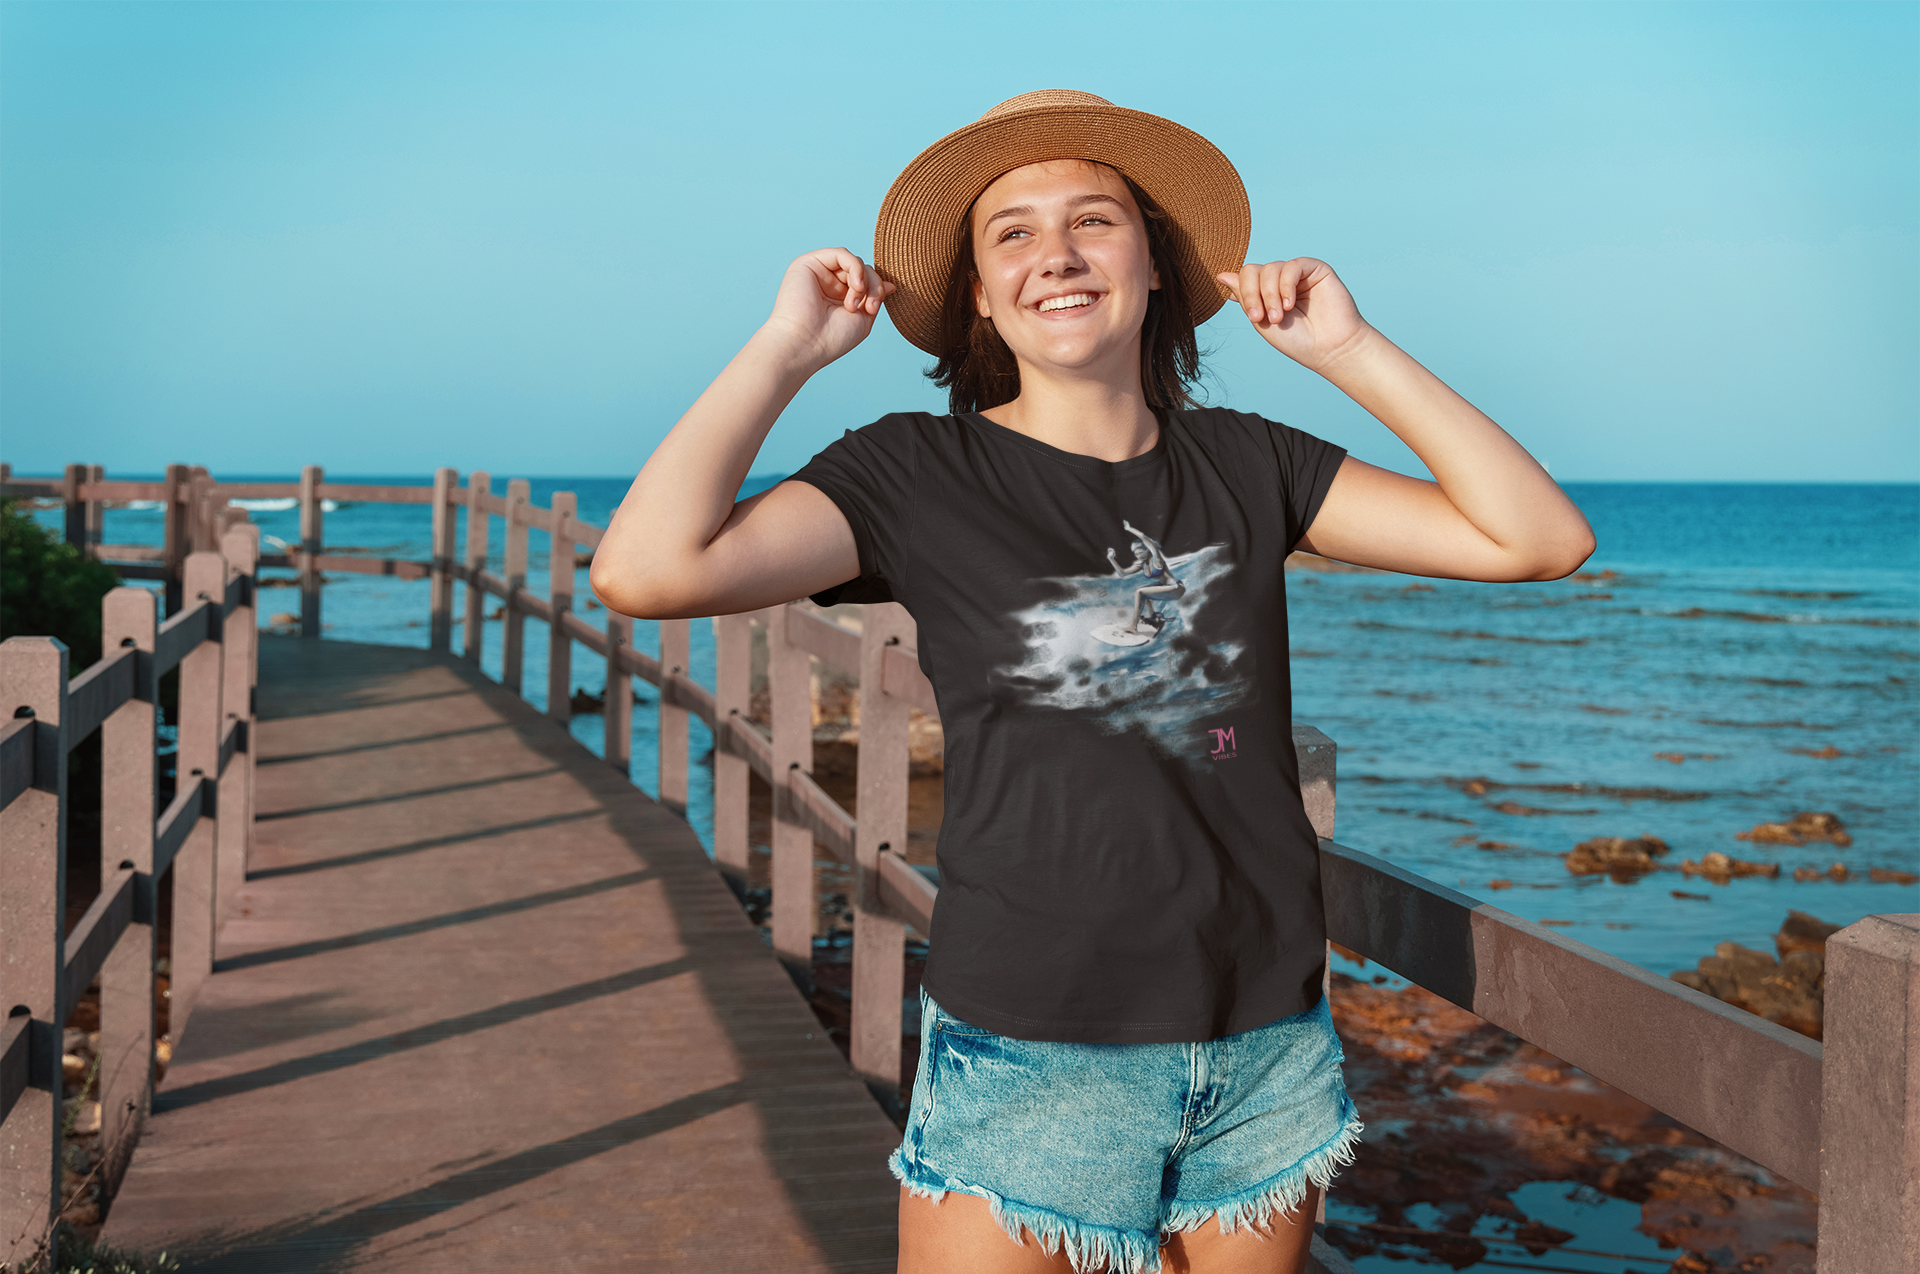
point(1223, 745)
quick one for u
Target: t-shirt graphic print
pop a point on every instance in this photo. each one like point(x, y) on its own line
point(1148, 645)
point(1124, 856)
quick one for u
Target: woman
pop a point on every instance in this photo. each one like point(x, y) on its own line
point(1149, 559)
point(1124, 1036)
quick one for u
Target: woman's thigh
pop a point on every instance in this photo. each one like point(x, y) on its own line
point(958, 1235)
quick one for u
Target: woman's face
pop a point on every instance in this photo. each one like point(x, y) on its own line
point(1063, 267)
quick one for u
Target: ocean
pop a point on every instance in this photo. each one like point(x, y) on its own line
point(1733, 654)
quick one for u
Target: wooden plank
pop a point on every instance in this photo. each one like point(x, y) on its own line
point(879, 939)
point(906, 893)
point(1737, 1078)
point(449, 903)
point(618, 748)
point(177, 822)
point(263, 491)
point(690, 695)
point(116, 492)
point(131, 553)
point(181, 635)
point(733, 675)
point(789, 687)
point(440, 598)
point(127, 799)
point(22, 489)
point(95, 694)
point(560, 573)
point(805, 802)
point(312, 536)
point(675, 639)
point(348, 493)
point(578, 629)
point(478, 524)
point(33, 902)
point(202, 716)
point(513, 639)
point(399, 567)
point(94, 936)
point(837, 647)
point(640, 664)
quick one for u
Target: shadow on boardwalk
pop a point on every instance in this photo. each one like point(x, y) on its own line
point(483, 1005)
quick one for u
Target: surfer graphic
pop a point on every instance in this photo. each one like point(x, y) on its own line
point(1149, 560)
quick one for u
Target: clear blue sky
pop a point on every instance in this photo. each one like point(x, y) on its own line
point(1656, 242)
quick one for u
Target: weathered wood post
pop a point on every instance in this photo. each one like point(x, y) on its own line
point(96, 513)
point(675, 642)
point(732, 696)
point(440, 603)
point(619, 710)
point(560, 597)
point(1870, 1099)
point(177, 530)
point(513, 644)
point(128, 810)
point(312, 535)
point(76, 512)
point(879, 941)
point(790, 689)
point(479, 487)
point(240, 634)
point(33, 904)
point(195, 867)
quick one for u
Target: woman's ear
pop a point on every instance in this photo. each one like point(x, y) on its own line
point(1153, 275)
point(980, 304)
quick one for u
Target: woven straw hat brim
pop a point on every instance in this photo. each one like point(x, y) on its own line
point(917, 235)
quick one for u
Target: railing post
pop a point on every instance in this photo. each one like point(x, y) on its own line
point(195, 867)
point(619, 709)
point(513, 643)
point(732, 695)
point(440, 605)
point(879, 940)
point(560, 597)
point(205, 513)
point(479, 487)
point(241, 549)
point(127, 801)
point(96, 513)
point(33, 904)
point(76, 520)
point(790, 689)
point(675, 642)
point(177, 530)
point(312, 535)
point(1870, 1099)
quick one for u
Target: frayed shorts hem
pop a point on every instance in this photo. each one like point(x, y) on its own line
point(1091, 1248)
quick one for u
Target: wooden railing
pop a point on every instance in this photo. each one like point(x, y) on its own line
point(187, 859)
point(1842, 1119)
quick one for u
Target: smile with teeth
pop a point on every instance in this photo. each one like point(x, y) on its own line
point(1075, 301)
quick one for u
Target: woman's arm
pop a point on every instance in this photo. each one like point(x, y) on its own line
point(1492, 513)
point(679, 545)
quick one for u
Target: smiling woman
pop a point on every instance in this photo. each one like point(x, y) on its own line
point(1128, 1059)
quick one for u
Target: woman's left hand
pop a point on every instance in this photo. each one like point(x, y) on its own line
point(1300, 306)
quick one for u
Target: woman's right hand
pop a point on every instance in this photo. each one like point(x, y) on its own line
point(826, 305)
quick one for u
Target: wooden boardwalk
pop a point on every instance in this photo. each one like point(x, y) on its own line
point(483, 1005)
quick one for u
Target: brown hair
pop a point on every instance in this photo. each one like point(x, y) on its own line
point(978, 371)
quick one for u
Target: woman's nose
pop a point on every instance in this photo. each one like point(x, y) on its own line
point(1061, 260)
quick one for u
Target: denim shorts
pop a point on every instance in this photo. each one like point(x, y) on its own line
point(1104, 1149)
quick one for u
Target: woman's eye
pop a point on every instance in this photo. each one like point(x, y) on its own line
point(1009, 233)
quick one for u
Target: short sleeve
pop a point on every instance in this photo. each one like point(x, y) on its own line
point(869, 475)
point(1307, 465)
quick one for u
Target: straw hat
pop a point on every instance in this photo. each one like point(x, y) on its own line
point(914, 240)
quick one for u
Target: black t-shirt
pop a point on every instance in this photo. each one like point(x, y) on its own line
point(1125, 857)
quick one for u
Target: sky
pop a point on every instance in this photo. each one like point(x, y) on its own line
point(1656, 242)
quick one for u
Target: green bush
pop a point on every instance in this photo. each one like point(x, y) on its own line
point(48, 588)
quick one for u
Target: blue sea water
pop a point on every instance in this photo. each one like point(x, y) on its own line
point(1732, 654)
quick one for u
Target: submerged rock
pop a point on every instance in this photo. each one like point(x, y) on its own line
point(1617, 856)
point(1800, 829)
point(1720, 868)
point(1790, 991)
